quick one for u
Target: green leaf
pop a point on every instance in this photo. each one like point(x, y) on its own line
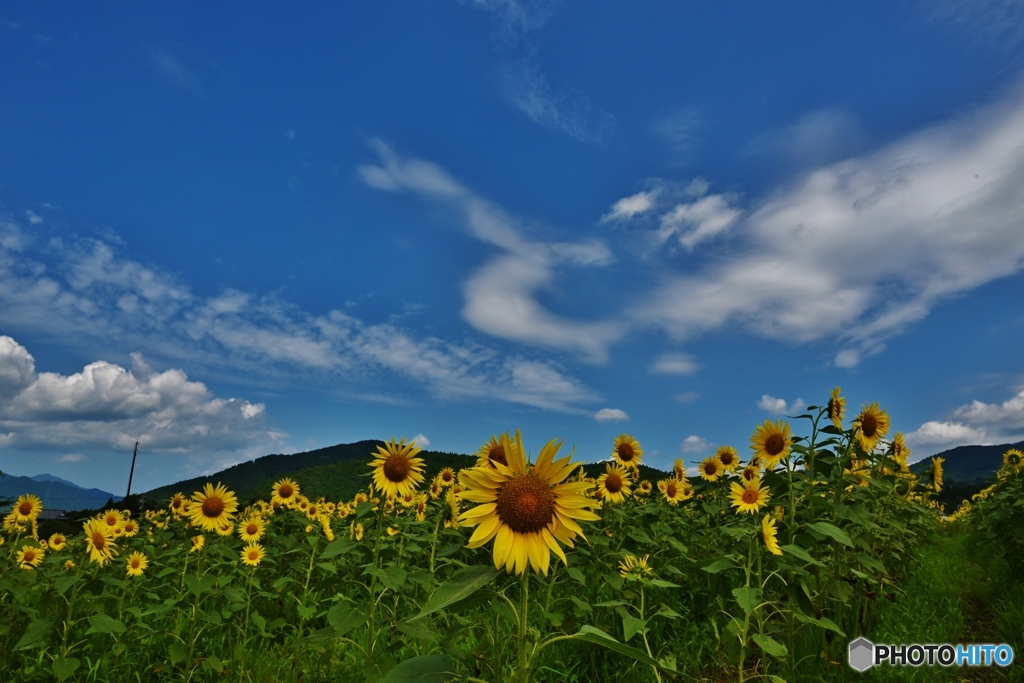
point(343, 618)
point(599, 637)
point(213, 663)
point(748, 598)
point(576, 575)
point(417, 629)
point(62, 583)
point(64, 667)
point(34, 635)
point(394, 577)
point(770, 645)
point(661, 583)
point(426, 669)
point(631, 626)
point(459, 586)
point(802, 554)
point(832, 531)
point(199, 585)
point(177, 651)
point(449, 549)
point(678, 546)
point(337, 547)
point(718, 565)
point(306, 611)
point(260, 622)
point(104, 623)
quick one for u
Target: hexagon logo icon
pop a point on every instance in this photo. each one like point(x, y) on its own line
point(862, 654)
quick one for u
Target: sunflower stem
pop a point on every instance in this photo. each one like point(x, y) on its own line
point(523, 671)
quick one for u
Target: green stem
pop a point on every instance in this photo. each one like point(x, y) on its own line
point(523, 671)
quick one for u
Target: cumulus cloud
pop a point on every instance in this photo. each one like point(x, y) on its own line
point(108, 406)
point(631, 206)
point(610, 415)
point(858, 250)
point(420, 440)
point(72, 457)
point(675, 364)
point(86, 292)
point(693, 444)
point(779, 406)
point(976, 423)
point(500, 297)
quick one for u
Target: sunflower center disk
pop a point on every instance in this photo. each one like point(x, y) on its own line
point(526, 503)
point(498, 455)
point(285, 491)
point(671, 491)
point(626, 452)
point(750, 496)
point(726, 458)
point(396, 468)
point(774, 444)
point(212, 507)
point(869, 425)
point(25, 508)
point(99, 541)
point(613, 483)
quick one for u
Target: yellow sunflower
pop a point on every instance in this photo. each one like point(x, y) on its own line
point(835, 407)
point(1013, 460)
point(526, 509)
point(212, 507)
point(674, 490)
point(679, 469)
point(435, 488)
point(396, 469)
point(493, 451)
point(644, 488)
point(197, 543)
point(252, 529)
point(114, 520)
point(26, 508)
point(729, 458)
point(937, 473)
point(749, 497)
point(130, 528)
point(68, 564)
point(253, 554)
point(451, 511)
point(870, 426)
point(771, 442)
point(421, 507)
point(446, 476)
point(711, 469)
point(750, 472)
point(770, 535)
point(30, 557)
point(900, 452)
point(355, 531)
point(284, 492)
point(634, 568)
point(99, 540)
point(58, 541)
point(626, 451)
point(137, 563)
point(614, 483)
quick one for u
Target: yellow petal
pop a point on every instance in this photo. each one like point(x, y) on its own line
point(484, 532)
point(552, 544)
point(502, 545)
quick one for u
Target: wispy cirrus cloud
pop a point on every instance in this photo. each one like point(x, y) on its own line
point(175, 70)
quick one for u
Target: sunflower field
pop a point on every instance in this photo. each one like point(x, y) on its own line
point(518, 569)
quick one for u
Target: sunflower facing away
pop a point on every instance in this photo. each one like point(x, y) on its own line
point(526, 509)
point(30, 557)
point(197, 543)
point(770, 535)
point(871, 425)
point(493, 451)
point(1013, 460)
point(396, 469)
point(137, 563)
point(900, 452)
point(634, 568)
point(749, 496)
point(771, 443)
point(27, 508)
point(644, 488)
point(253, 554)
point(99, 540)
point(451, 511)
point(176, 504)
point(251, 529)
point(284, 492)
point(711, 469)
point(213, 507)
point(626, 451)
point(614, 484)
point(835, 407)
point(679, 469)
point(937, 473)
point(729, 458)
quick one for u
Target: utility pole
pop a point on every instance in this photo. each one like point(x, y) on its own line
point(132, 472)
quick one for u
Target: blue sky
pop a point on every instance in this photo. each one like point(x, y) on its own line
point(228, 232)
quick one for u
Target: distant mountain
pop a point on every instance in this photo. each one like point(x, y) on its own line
point(56, 493)
point(968, 464)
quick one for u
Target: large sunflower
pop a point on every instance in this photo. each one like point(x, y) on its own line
point(252, 529)
point(1013, 460)
point(284, 492)
point(771, 443)
point(493, 451)
point(770, 535)
point(27, 508)
point(30, 556)
point(729, 458)
point(527, 509)
point(396, 469)
point(626, 451)
point(711, 469)
point(835, 407)
point(213, 507)
point(99, 540)
point(870, 426)
point(614, 483)
point(749, 496)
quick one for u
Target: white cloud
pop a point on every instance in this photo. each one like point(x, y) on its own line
point(564, 110)
point(631, 206)
point(819, 137)
point(106, 406)
point(976, 423)
point(675, 364)
point(175, 70)
point(72, 457)
point(857, 251)
point(516, 18)
point(698, 221)
point(610, 415)
point(679, 129)
point(500, 297)
point(421, 441)
point(33, 217)
point(778, 406)
point(688, 397)
point(693, 444)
